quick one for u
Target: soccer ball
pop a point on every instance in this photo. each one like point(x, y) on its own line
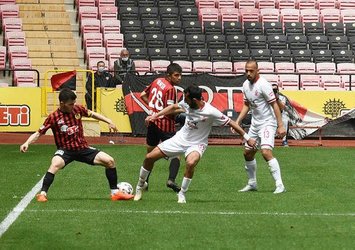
point(125, 187)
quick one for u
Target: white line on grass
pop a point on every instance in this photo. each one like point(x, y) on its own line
point(229, 213)
point(15, 213)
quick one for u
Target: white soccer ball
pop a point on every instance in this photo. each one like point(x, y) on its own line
point(125, 187)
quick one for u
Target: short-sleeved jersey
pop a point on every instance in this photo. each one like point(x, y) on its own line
point(259, 95)
point(67, 128)
point(161, 93)
point(199, 122)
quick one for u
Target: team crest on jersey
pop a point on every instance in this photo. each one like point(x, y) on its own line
point(77, 116)
point(61, 121)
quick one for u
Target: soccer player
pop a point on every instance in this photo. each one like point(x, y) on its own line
point(191, 140)
point(68, 133)
point(158, 95)
point(265, 124)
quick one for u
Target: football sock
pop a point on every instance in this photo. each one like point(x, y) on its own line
point(47, 181)
point(143, 175)
point(250, 167)
point(111, 175)
point(174, 168)
point(275, 171)
point(185, 184)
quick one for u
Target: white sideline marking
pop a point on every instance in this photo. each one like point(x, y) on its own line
point(15, 213)
point(237, 213)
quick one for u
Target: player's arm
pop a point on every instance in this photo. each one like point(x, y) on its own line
point(169, 110)
point(144, 97)
point(243, 113)
point(102, 118)
point(281, 132)
point(237, 128)
point(34, 137)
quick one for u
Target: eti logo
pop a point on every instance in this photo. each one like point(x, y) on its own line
point(14, 115)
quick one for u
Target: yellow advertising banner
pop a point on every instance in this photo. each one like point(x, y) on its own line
point(111, 104)
point(331, 104)
point(20, 109)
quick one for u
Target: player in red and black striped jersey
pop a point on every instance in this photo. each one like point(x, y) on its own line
point(68, 133)
point(158, 95)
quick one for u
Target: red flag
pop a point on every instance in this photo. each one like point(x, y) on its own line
point(64, 80)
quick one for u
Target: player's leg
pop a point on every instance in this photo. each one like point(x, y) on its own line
point(152, 140)
point(193, 155)
point(173, 167)
point(145, 170)
point(267, 144)
point(57, 163)
point(250, 163)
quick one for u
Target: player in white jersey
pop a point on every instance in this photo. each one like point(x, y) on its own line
point(265, 124)
point(191, 140)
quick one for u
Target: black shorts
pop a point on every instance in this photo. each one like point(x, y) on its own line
point(86, 155)
point(155, 135)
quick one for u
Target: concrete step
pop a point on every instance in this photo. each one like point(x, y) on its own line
point(47, 34)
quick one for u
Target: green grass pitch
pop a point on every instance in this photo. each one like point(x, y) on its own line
point(316, 212)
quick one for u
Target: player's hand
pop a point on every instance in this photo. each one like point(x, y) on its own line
point(252, 143)
point(233, 130)
point(112, 127)
point(281, 132)
point(149, 119)
point(23, 147)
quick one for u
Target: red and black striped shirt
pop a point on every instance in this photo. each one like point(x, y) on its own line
point(67, 128)
point(161, 93)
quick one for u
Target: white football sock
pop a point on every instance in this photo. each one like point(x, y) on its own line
point(275, 171)
point(143, 174)
point(250, 167)
point(185, 184)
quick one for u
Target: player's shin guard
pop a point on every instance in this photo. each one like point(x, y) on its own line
point(250, 167)
point(111, 175)
point(174, 168)
point(47, 182)
point(185, 184)
point(143, 175)
point(275, 171)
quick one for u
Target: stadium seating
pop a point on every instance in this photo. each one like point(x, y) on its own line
point(222, 68)
point(142, 66)
point(202, 66)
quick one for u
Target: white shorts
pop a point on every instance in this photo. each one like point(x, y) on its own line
point(173, 147)
point(265, 136)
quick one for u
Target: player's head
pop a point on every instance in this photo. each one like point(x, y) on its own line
point(173, 73)
point(193, 94)
point(67, 99)
point(251, 70)
point(275, 88)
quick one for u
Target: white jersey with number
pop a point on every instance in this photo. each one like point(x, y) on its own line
point(259, 95)
point(199, 122)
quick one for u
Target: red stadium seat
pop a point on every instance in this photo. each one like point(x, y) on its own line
point(95, 53)
point(250, 15)
point(331, 82)
point(284, 67)
point(326, 4)
point(92, 40)
point(205, 4)
point(286, 4)
point(110, 26)
point(310, 82)
point(309, 15)
point(222, 68)
point(239, 67)
point(346, 4)
point(305, 67)
point(246, 4)
point(185, 65)
point(101, 3)
point(24, 79)
point(289, 82)
point(325, 67)
point(9, 11)
point(142, 66)
point(270, 15)
point(108, 12)
point(17, 52)
point(87, 12)
point(347, 15)
point(113, 40)
point(12, 24)
point(290, 15)
point(225, 4)
point(266, 67)
point(330, 15)
point(113, 52)
point(159, 65)
point(208, 14)
point(15, 38)
point(266, 4)
point(80, 3)
point(306, 4)
point(2, 57)
point(202, 66)
point(271, 78)
point(90, 26)
point(230, 14)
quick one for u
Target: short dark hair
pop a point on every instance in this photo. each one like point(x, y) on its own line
point(66, 95)
point(193, 91)
point(173, 67)
point(252, 61)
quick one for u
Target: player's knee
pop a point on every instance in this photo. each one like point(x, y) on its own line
point(267, 154)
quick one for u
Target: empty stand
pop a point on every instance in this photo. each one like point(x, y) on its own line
point(222, 68)
point(159, 65)
point(202, 66)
